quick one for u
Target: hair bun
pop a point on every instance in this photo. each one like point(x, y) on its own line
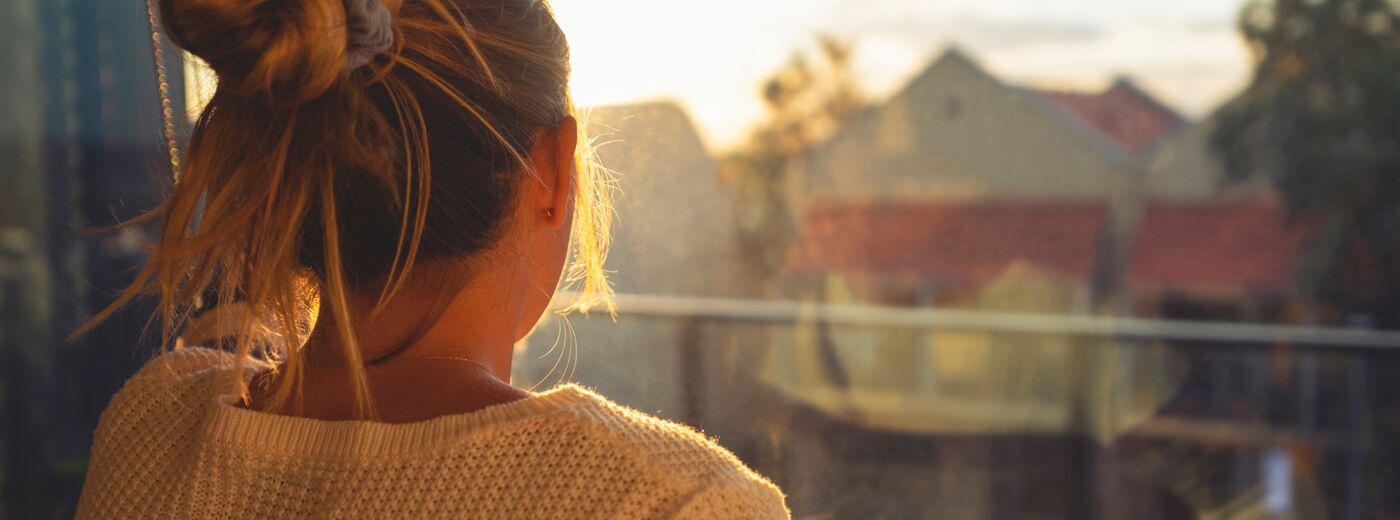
point(370, 28)
point(285, 52)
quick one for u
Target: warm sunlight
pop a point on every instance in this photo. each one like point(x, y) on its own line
point(712, 56)
point(978, 259)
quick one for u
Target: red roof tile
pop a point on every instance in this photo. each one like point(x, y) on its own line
point(1215, 246)
point(1123, 114)
point(968, 243)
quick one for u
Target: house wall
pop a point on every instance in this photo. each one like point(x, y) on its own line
point(956, 132)
point(1184, 168)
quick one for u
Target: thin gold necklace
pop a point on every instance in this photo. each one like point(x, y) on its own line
point(395, 361)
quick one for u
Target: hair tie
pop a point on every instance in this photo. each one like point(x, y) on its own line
point(369, 32)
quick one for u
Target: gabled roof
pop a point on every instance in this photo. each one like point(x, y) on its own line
point(1123, 120)
point(965, 243)
point(1124, 114)
point(1215, 246)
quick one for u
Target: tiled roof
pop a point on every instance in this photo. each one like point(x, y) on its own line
point(1215, 246)
point(966, 243)
point(1123, 114)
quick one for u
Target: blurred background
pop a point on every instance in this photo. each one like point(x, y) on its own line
point(908, 258)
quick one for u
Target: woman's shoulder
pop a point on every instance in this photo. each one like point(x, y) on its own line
point(676, 450)
point(179, 376)
point(182, 364)
point(172, 388)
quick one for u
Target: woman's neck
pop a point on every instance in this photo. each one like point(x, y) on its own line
point(446, 355)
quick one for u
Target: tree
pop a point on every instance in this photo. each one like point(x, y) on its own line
point(808, 99)
point(1321, 120)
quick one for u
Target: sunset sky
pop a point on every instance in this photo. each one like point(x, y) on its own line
point(710, 56)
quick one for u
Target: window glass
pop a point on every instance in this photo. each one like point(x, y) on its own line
point(947, 258)
point(997, 259)
point(85, 137)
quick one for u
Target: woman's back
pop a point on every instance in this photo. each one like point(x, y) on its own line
point(173, 444)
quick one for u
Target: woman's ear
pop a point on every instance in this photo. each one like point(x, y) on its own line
point(560, 145)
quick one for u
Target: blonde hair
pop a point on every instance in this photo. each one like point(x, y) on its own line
point(299, 173)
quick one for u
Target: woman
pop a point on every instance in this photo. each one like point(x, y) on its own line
point(411, 171)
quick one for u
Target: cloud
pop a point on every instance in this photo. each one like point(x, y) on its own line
point(1212, 25)
point(1191, 68)
point(980, 30)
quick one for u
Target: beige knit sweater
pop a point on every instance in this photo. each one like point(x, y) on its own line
point(171, 445)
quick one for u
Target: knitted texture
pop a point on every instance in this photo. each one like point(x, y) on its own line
point(170, 444)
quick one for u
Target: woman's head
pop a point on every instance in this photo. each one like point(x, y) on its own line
point(320, 172)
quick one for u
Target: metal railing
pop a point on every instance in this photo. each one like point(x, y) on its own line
point(787, 311)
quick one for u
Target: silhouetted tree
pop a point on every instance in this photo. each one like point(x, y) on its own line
point(808, 99)
point(1321, 120)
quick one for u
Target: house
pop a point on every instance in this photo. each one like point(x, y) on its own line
point(957, 139)
point(957, 134)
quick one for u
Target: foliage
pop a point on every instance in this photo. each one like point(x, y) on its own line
point(808, 99)
point(1321, 120)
